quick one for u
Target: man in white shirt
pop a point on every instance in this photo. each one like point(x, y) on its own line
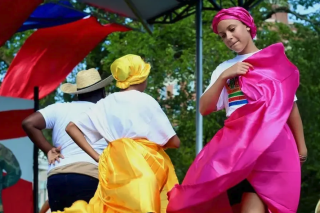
point(72, 174)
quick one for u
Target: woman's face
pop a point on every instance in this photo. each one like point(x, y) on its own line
point(234, 34)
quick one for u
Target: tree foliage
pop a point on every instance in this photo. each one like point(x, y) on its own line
point(171, 51)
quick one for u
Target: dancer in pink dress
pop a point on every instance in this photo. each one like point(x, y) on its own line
point(252, 165)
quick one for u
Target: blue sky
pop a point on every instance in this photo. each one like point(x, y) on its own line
point(302, 10)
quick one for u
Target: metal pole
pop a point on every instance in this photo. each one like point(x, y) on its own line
point(35, 159)
point(199, 130)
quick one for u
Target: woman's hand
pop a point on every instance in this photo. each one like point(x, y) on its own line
point(54, 155)
point(303, 154)
point(240, 68)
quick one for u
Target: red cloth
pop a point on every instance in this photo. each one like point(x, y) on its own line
point(11, 123)
point(19, 197)
point(12, 15)
point(50, 54)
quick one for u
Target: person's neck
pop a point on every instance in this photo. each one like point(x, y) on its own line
point(91, 99)
point(250, 48)
point(134, 87)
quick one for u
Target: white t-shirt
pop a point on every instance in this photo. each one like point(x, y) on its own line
point(231, 97)
point(128, 114)
point(57, 117)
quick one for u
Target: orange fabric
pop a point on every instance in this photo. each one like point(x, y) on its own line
point(134, 175)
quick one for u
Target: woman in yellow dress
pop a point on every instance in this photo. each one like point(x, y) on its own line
point(135, 173)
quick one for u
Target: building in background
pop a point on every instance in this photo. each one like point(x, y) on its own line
point(280, 17)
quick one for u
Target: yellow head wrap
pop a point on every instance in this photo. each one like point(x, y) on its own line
point(130, 70)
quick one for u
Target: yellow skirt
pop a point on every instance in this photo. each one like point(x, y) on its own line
point(134, 177)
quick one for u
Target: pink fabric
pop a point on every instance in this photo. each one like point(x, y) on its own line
point(237, 13)
point(255, 143)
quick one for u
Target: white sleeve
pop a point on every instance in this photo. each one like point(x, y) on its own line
point(87, 127)
point(295, 98)
point(215, 75)
point(49, 114)
point(161, 130)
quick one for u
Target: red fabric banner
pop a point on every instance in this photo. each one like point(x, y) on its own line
point(11, 121)
point(12, 15)
point(18, 198)
point(50, 54)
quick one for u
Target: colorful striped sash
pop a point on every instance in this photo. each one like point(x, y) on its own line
point(235, 95)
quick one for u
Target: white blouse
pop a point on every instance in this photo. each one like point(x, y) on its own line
point(128, 114)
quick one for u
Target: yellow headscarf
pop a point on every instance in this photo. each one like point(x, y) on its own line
point(130, 70)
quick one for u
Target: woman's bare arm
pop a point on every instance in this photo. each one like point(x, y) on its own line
point(45, 207)
point(77, 136)
point(33, 126)
point(208, 101)
point(296, 126)
point(173, 143)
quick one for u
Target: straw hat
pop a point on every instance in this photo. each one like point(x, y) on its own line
point(318, 208)
point(86, 81)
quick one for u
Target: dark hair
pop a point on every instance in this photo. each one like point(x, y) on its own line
point(93, 96)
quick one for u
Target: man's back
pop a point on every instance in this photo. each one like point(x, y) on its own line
point(57, 116)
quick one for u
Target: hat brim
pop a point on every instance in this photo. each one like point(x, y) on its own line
point(72, 88)
point(317, 207)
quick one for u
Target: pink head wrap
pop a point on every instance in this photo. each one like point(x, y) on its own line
point(235, 13)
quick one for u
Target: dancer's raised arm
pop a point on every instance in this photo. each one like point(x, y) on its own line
point(77, 136)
